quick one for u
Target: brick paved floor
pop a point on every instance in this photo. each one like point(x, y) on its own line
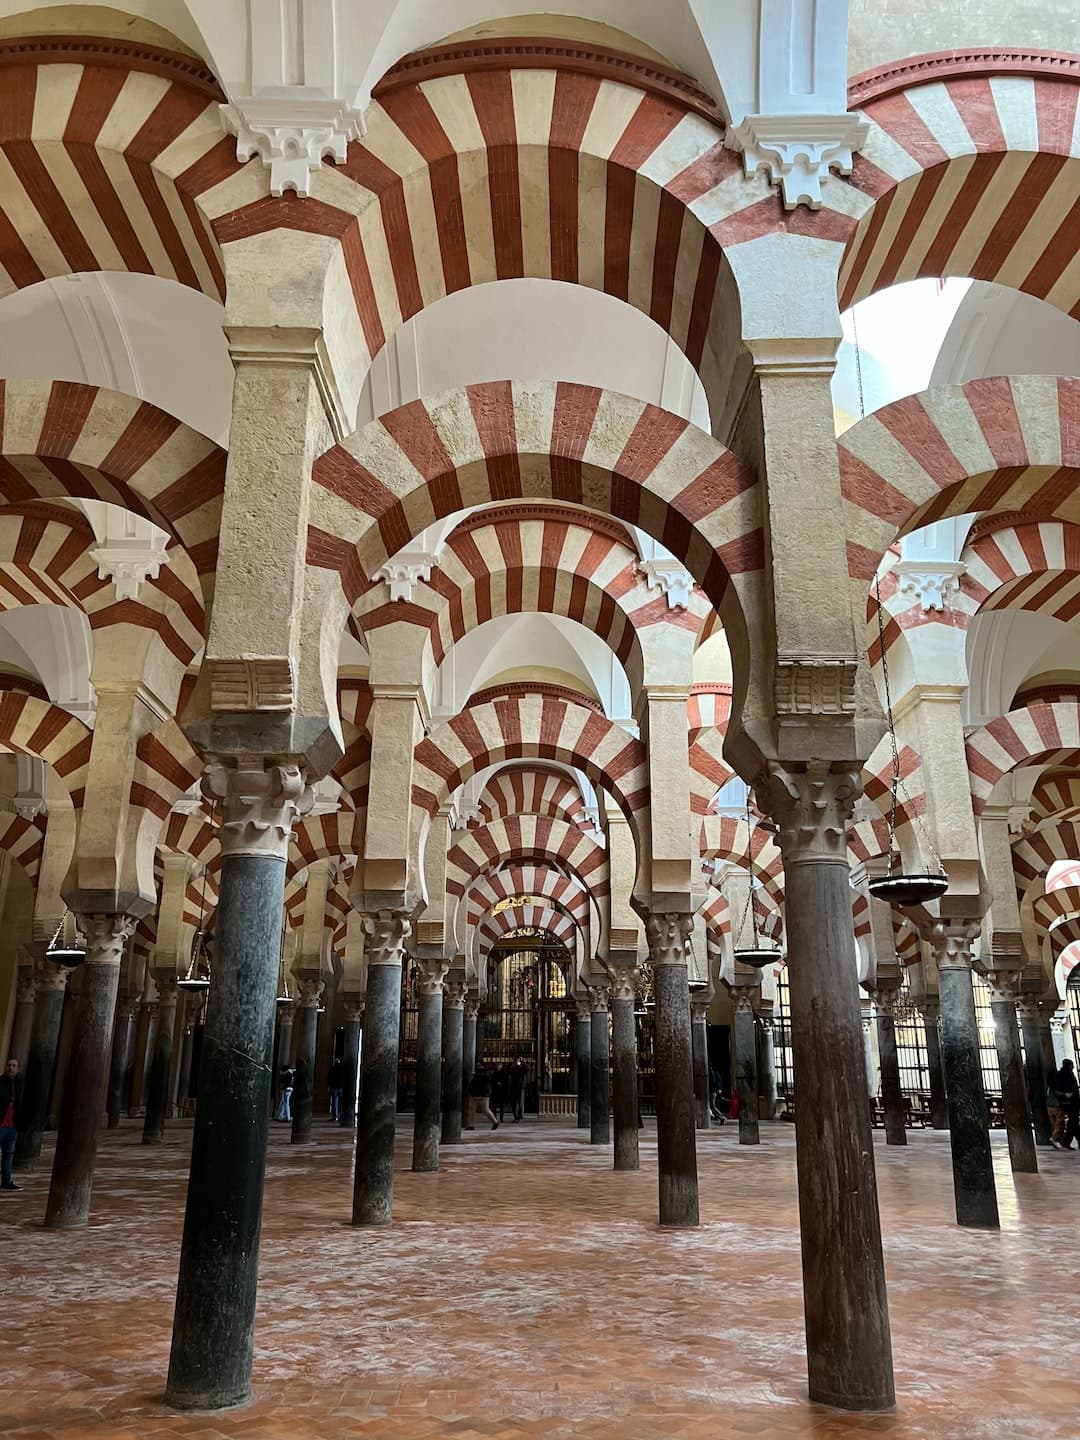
point(527, 1291)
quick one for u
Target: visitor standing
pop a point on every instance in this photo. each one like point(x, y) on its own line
point(286, 1077)
point(1054, 1110)
point(10, 1105)
point(1068, 1098)
point(518, 1076)
point(480, 1095)
point(336, 1081)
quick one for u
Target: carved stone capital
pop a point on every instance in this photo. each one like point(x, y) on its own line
point(259, 800)
point(1002, 984)
point(432, 975)
point(798, 152)
point(929, 1007)
point(26, 987)
point(668, 935)
point(310, 992)
point(624, 983)
point(584, 1012)
point(165, 980)
point(106, 936)
point(811, 807)
point(1059, 1021)
point(454, 993)
point(743, 997)
point(353, 1005)
point(886, 999)
point(384, 937)
point(598, 999)
point(951, 943)
point(472, 1007)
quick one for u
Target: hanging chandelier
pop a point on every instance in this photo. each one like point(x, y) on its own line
point(60, 950)
point(904, 889)
point(197, 977)
point(757, 955)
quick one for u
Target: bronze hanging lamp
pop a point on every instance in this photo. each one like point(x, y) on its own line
point(756, 954)
point(65, 948)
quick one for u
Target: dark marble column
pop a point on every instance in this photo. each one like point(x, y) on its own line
point(40, 1063)
point(306, 1027)
point(599, 1068)
point(892, 1095)
point(676, 1144)
point(930, 1009)
point(373, 1187)
point(624, 1070)
point(583, 1040)
point(157, 1088)
point(87, 1073)
point(120, 1060)
point(571, 1038)
point(23, 1024)
point(746, 1077)
point(969, 1130)
point(354, 1012)
point(1014, 1101)
point(427, 1114)
point(699, 1050)
point(141, 1048)
point(766, 1068)
point(848, 1343)
point(453, 1017)
point(468, 1055)
point(196, 1001)
point(214, 1324)
point(1034, 1074)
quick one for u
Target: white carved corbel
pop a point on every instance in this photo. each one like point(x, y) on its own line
point(292, 134)
point(671, 579)
point(798, 151)
point(406, 570)
point(931, 582)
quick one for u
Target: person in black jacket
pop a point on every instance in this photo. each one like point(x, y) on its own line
point(10, 1106)
point(480, 1094)
point(1068, 1095)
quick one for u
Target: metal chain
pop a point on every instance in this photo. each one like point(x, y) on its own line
point(889, 720)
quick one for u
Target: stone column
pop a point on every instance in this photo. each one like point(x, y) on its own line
point(969, 1131)
point(699, 1051)
point(192, 1014)
point(214, 1325)
point(869, 1065)
point(120, 1061)
point(306, 1025)
point(930, 1009)
point(884, 997)
point(141, 1046)
point(427, 1115)
point(157, 1089)
point(1014, 1099)
point(584, 1065)
point(40, 1063)
point(848, 1344)
point(1034, 1074)
point(599, 1068)
point(767, 1067)
point(468, 1055)
point(453, 1017)
point(624, 1069)
point(23, 1025)
point(87, 1072)
point(373, 1187)
point(746, 1077)
point(676, 1145)
point(354, 1011)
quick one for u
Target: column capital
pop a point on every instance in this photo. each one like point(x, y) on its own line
point(354, 1005)
point(598, 999)
point(432, 975)
point(310, 992)
point(472, 1007)
point(106, 936)
point(812, 807)
point(668, 934)
point(885, 998)
point(26, 987)
point(624, 982)
point(385, 933)
point(259, 797)
point(454, 993)
point(743, 998)
point(1059, 1021)
point(929, 1007)
point(165, 980)
point(951, 942)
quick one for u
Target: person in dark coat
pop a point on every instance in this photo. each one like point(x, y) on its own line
point(11, 1089)
point(1068, 1097)
point(499, 1090)
point(480, 1095)
point(518, 1075)
point(336, 1081)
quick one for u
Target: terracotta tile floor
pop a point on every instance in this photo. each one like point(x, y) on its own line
point(526, 1291)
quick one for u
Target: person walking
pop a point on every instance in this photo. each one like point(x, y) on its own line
point(336, 1081)
point(716, 1097)
point(286, 1076)
point(10, 1105)
point(499, 1091)
point(480, 1095)
point(1068, 1098)
point(1054, 1110)
point(518, 1076)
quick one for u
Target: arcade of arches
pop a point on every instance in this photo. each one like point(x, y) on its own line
point(514, 530)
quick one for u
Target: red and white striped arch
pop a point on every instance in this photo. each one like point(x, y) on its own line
point(1049, 907)
point(708, 711)
point(542, 881)
point(544, 440)
point(104, 166)
point(533, 790)
point(540, 173)
point(528, 839)
point(46, 559)
point(726, 838)
point(969, 175)
point(72, 441)
point(1034, 854)
point(539, 917)
point(1035, 735)
point(536, 559)
point(29, 726)
point(1033, 567)
point(24, 841)
point(1055, 794)
point(1007, 443)
point(334, 836)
